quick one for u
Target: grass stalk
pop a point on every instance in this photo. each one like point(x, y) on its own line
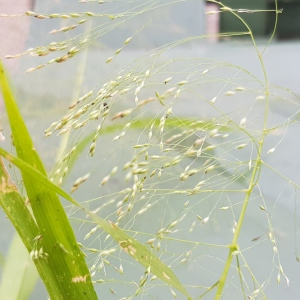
point(255, 173)
point(50, 238)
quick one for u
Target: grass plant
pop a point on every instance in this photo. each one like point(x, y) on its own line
point(165, 201)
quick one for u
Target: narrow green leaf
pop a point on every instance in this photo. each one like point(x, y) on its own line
point(67, 275)
point(131, 246)
point(141, 254)
point(15, 208)
point(37, 175)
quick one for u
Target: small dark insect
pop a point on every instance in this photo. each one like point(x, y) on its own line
point(256, 238)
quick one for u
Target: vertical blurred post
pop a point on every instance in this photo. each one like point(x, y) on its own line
point(212, 21)
point(13, 30)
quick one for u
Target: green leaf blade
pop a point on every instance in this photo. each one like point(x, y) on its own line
point(131, 246)
point(67, 274)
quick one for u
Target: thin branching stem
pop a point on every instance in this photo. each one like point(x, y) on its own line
point(255, 173)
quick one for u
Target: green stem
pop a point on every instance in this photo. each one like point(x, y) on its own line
point(255, 174)
point(234, 247)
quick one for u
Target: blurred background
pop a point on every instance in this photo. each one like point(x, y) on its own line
point(44, 95)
